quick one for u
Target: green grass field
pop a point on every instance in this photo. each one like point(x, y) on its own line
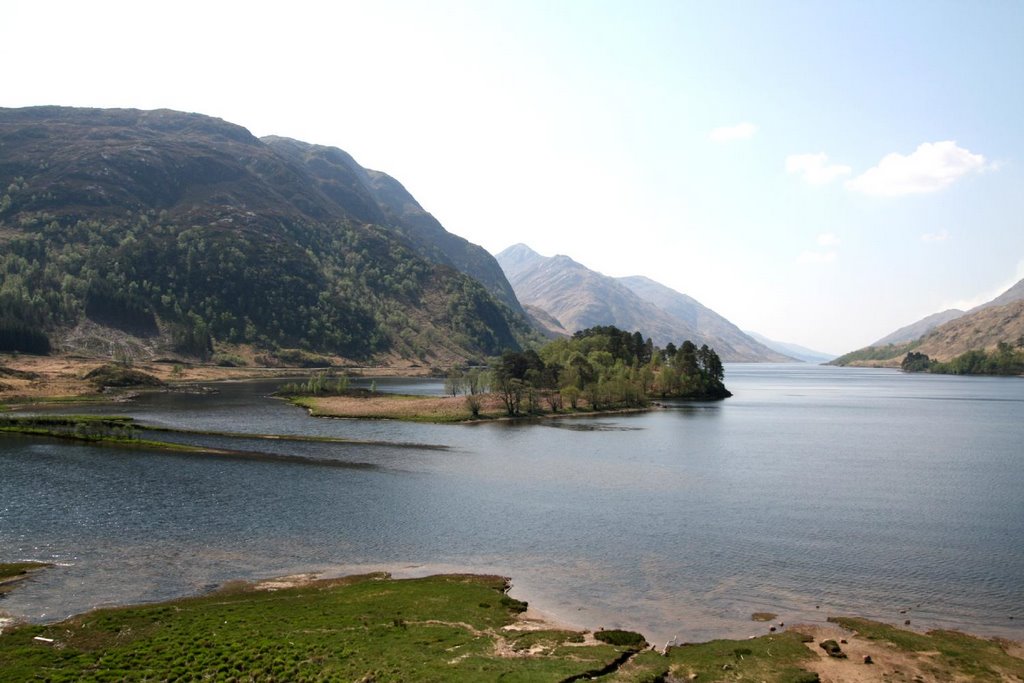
point(370, 628)
point(440, 628)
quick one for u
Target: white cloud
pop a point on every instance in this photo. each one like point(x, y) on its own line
point(741, 131)
point(940, 236)
point(815, 168)
point(931, 167)
point(809, 256)
point(827, 253)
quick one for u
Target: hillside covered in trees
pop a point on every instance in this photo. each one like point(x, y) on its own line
point(186, 232)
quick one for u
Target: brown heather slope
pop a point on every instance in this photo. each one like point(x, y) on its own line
point(983, 329)
point(948, 334)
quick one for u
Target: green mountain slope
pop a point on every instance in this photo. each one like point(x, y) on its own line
point(188, 228)
point(374, 197)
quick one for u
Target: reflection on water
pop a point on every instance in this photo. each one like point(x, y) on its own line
point(859, 491)
point(586, 425)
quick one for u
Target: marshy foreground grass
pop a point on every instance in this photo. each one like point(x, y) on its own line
point(449, 628)
point(441, 628)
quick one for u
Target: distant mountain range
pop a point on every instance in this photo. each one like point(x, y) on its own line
point(945, 335)
point(187, 232)
point(797, 351)
point(564, 296)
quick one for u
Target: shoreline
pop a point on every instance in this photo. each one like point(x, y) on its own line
point(26, 380)
point(544, 605)
point(870, 651)
point(436, 409)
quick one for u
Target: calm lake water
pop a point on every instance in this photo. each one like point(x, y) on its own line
point(813, 491)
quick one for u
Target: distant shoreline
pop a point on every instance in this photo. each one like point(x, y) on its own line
point(434, 409)
point(26, 379)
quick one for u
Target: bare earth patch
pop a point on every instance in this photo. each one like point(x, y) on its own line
point(890, 664)
point(391, 406)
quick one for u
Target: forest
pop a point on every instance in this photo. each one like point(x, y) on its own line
point(338, 289)
point(602, 367)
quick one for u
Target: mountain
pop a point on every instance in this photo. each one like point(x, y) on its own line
point(374, 197)
point(801, 353)
point(579, 298)
point(981, 328)
point(546, 322)
point(1014, 293)
point(188, 231)
point(920, 328)
point(728, 339)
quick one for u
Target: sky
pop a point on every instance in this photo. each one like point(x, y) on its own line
point(819, 172)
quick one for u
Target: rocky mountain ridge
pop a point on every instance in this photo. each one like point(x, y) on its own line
point(577, 297)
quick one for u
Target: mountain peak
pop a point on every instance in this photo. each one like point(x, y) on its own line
point(517, 250)
point(578, 298)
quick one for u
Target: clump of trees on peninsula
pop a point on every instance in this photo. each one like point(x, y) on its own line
point(1003, 360)
point(601, 368)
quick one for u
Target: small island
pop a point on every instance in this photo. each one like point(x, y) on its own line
point(597, 370)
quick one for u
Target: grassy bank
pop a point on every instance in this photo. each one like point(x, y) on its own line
point(432, 409)
point(444, 628)
point(453, 628)
point(122, 432)
point(93, 429)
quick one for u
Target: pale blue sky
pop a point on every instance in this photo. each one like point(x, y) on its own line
point(731, 150)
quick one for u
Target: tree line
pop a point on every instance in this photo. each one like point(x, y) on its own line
point(600, 368)
point(1003, 360)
